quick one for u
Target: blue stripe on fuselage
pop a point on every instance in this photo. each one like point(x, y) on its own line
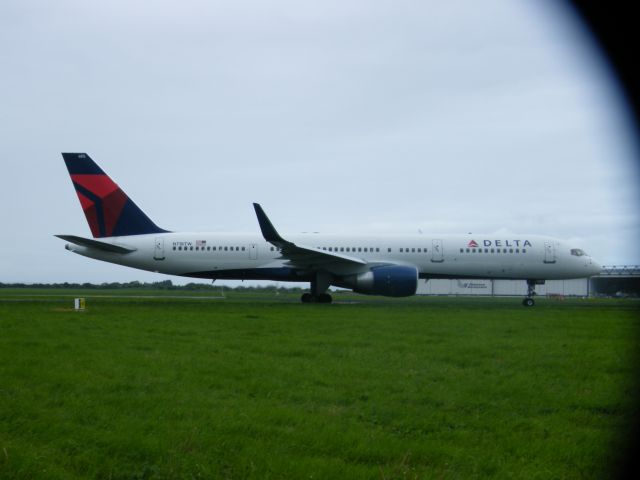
point(283, 274)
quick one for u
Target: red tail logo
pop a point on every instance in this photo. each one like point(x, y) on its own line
point(109, 211)
point(102, 202)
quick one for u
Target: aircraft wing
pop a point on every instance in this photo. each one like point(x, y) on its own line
point(302, 256)
point(97, 244)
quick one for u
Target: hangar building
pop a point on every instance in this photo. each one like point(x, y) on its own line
point(616, 280)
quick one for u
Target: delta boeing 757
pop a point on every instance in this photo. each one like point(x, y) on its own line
point(376, 265)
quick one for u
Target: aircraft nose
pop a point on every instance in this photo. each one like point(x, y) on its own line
point(594, 267)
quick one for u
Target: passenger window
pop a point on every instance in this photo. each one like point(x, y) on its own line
point(524, 250)
point(413, 250)
point(401, 250)
point(389, 250)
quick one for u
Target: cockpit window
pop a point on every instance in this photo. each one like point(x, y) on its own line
point(577, 252)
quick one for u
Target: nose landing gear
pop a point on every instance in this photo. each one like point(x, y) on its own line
point(531, 291)
point(528, 302)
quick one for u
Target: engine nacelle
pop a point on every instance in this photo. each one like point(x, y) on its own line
point(387, 280)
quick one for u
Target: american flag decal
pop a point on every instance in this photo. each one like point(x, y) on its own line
point(201, 243)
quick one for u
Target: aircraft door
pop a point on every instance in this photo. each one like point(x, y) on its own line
point(549, 252)
point(437, 251)
point(253, 251)
point(158, 251)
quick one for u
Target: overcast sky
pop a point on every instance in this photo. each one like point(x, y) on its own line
point(338, 116)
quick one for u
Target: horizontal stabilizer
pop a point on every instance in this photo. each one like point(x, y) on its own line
point(97, 244)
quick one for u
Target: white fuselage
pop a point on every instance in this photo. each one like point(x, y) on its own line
point(238, 256)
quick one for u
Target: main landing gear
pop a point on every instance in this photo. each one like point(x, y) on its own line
point(319, 287)
point(321, 298)
point(531, 291)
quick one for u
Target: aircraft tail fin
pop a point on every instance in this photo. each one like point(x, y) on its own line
point(109, 211)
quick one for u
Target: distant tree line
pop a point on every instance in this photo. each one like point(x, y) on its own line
point(162, 285)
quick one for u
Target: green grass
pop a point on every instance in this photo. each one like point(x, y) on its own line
point(263, 387)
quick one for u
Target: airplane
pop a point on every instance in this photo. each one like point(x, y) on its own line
point(390, 265)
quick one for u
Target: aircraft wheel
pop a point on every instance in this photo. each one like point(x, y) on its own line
point(324, 298)
point(528, 302)
point(306, 298)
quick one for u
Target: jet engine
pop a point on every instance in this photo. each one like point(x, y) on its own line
point(387, 280)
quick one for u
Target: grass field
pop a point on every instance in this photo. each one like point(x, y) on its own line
point(251, 386)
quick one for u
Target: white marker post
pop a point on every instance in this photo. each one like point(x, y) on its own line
point(78, 304)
